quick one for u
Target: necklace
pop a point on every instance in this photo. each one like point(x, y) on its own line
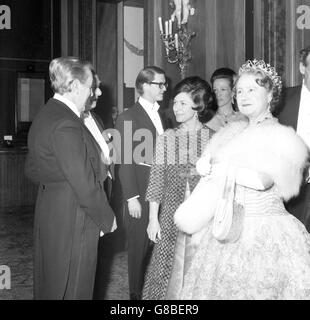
point(224, 118)
point(261, 118)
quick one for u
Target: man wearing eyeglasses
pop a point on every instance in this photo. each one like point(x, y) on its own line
point(146, 124)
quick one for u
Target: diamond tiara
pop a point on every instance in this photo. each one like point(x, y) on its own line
point(266, 68)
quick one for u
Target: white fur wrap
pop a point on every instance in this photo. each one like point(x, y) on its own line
point(269, 148)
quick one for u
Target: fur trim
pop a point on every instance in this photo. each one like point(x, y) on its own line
point(193, 214)
point(269, 148)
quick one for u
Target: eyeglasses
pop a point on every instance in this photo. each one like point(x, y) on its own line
point(161, 85)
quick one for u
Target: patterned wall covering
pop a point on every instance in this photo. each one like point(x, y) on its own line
point(298, 36)
point(106, 55)
point(87, 34)
point(274, 33)
point(16, 190)
point(283, 30)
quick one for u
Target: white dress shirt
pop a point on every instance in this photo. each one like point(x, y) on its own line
point(90, 123)
point(303, 122)
point(68, 103)
point(152, 111)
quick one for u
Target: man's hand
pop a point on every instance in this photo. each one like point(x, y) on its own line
point(134, 208)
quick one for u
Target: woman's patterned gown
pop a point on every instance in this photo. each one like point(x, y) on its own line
point(173, 175)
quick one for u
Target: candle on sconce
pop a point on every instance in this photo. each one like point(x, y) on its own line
point(160, 22)
point(176, 41)
point(166, 28)
point(170, 27)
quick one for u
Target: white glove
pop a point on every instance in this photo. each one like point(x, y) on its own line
point(203, 165)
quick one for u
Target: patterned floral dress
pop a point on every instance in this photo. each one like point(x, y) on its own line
point(173, 174)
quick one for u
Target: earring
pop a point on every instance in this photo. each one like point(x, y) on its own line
point(269, 106)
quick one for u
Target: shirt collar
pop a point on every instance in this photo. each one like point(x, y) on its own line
point(148, 105)
point(67, 102)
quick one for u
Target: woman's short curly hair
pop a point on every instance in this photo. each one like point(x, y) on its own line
point(266, 76)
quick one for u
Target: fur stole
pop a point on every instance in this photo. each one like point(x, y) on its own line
point(269, 148)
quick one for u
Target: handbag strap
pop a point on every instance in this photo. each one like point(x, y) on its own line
point(224, 211)
point(230, 183)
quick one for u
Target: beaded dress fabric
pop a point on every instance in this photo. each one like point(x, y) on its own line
point(270, 260)
point(172, 174)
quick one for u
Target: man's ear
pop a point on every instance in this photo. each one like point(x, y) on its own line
point(302, 68)
point(144, 85)
point(74, 85)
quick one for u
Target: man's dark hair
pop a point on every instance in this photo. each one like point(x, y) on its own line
point(303, 55)
point(147, 75)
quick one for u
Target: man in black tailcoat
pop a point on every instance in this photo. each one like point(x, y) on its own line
point(71, 207)
point(295, 112)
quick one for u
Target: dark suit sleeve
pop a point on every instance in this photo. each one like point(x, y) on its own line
point(287, 111)
point(76, 164)
point(31, 171)
point(126, 172)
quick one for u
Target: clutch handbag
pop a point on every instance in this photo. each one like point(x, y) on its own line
point(229, 215)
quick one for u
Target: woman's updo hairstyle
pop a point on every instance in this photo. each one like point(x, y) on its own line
point(201, 94)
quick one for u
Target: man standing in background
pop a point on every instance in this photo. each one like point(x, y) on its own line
point(296, 113)
point(133, 176)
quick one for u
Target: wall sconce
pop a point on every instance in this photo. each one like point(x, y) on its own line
point(177, 44)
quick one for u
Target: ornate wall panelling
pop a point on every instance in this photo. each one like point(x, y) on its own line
point(70, 27)
point(282, 29)
point(107, 51)
point(230, 34)
point(120, 57)
point(87, 30)
point(274, 33)
point(16, 190)
point(153, 53)
point(199, 43)
point(298, 37)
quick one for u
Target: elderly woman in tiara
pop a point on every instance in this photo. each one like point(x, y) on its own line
point(249, 247)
